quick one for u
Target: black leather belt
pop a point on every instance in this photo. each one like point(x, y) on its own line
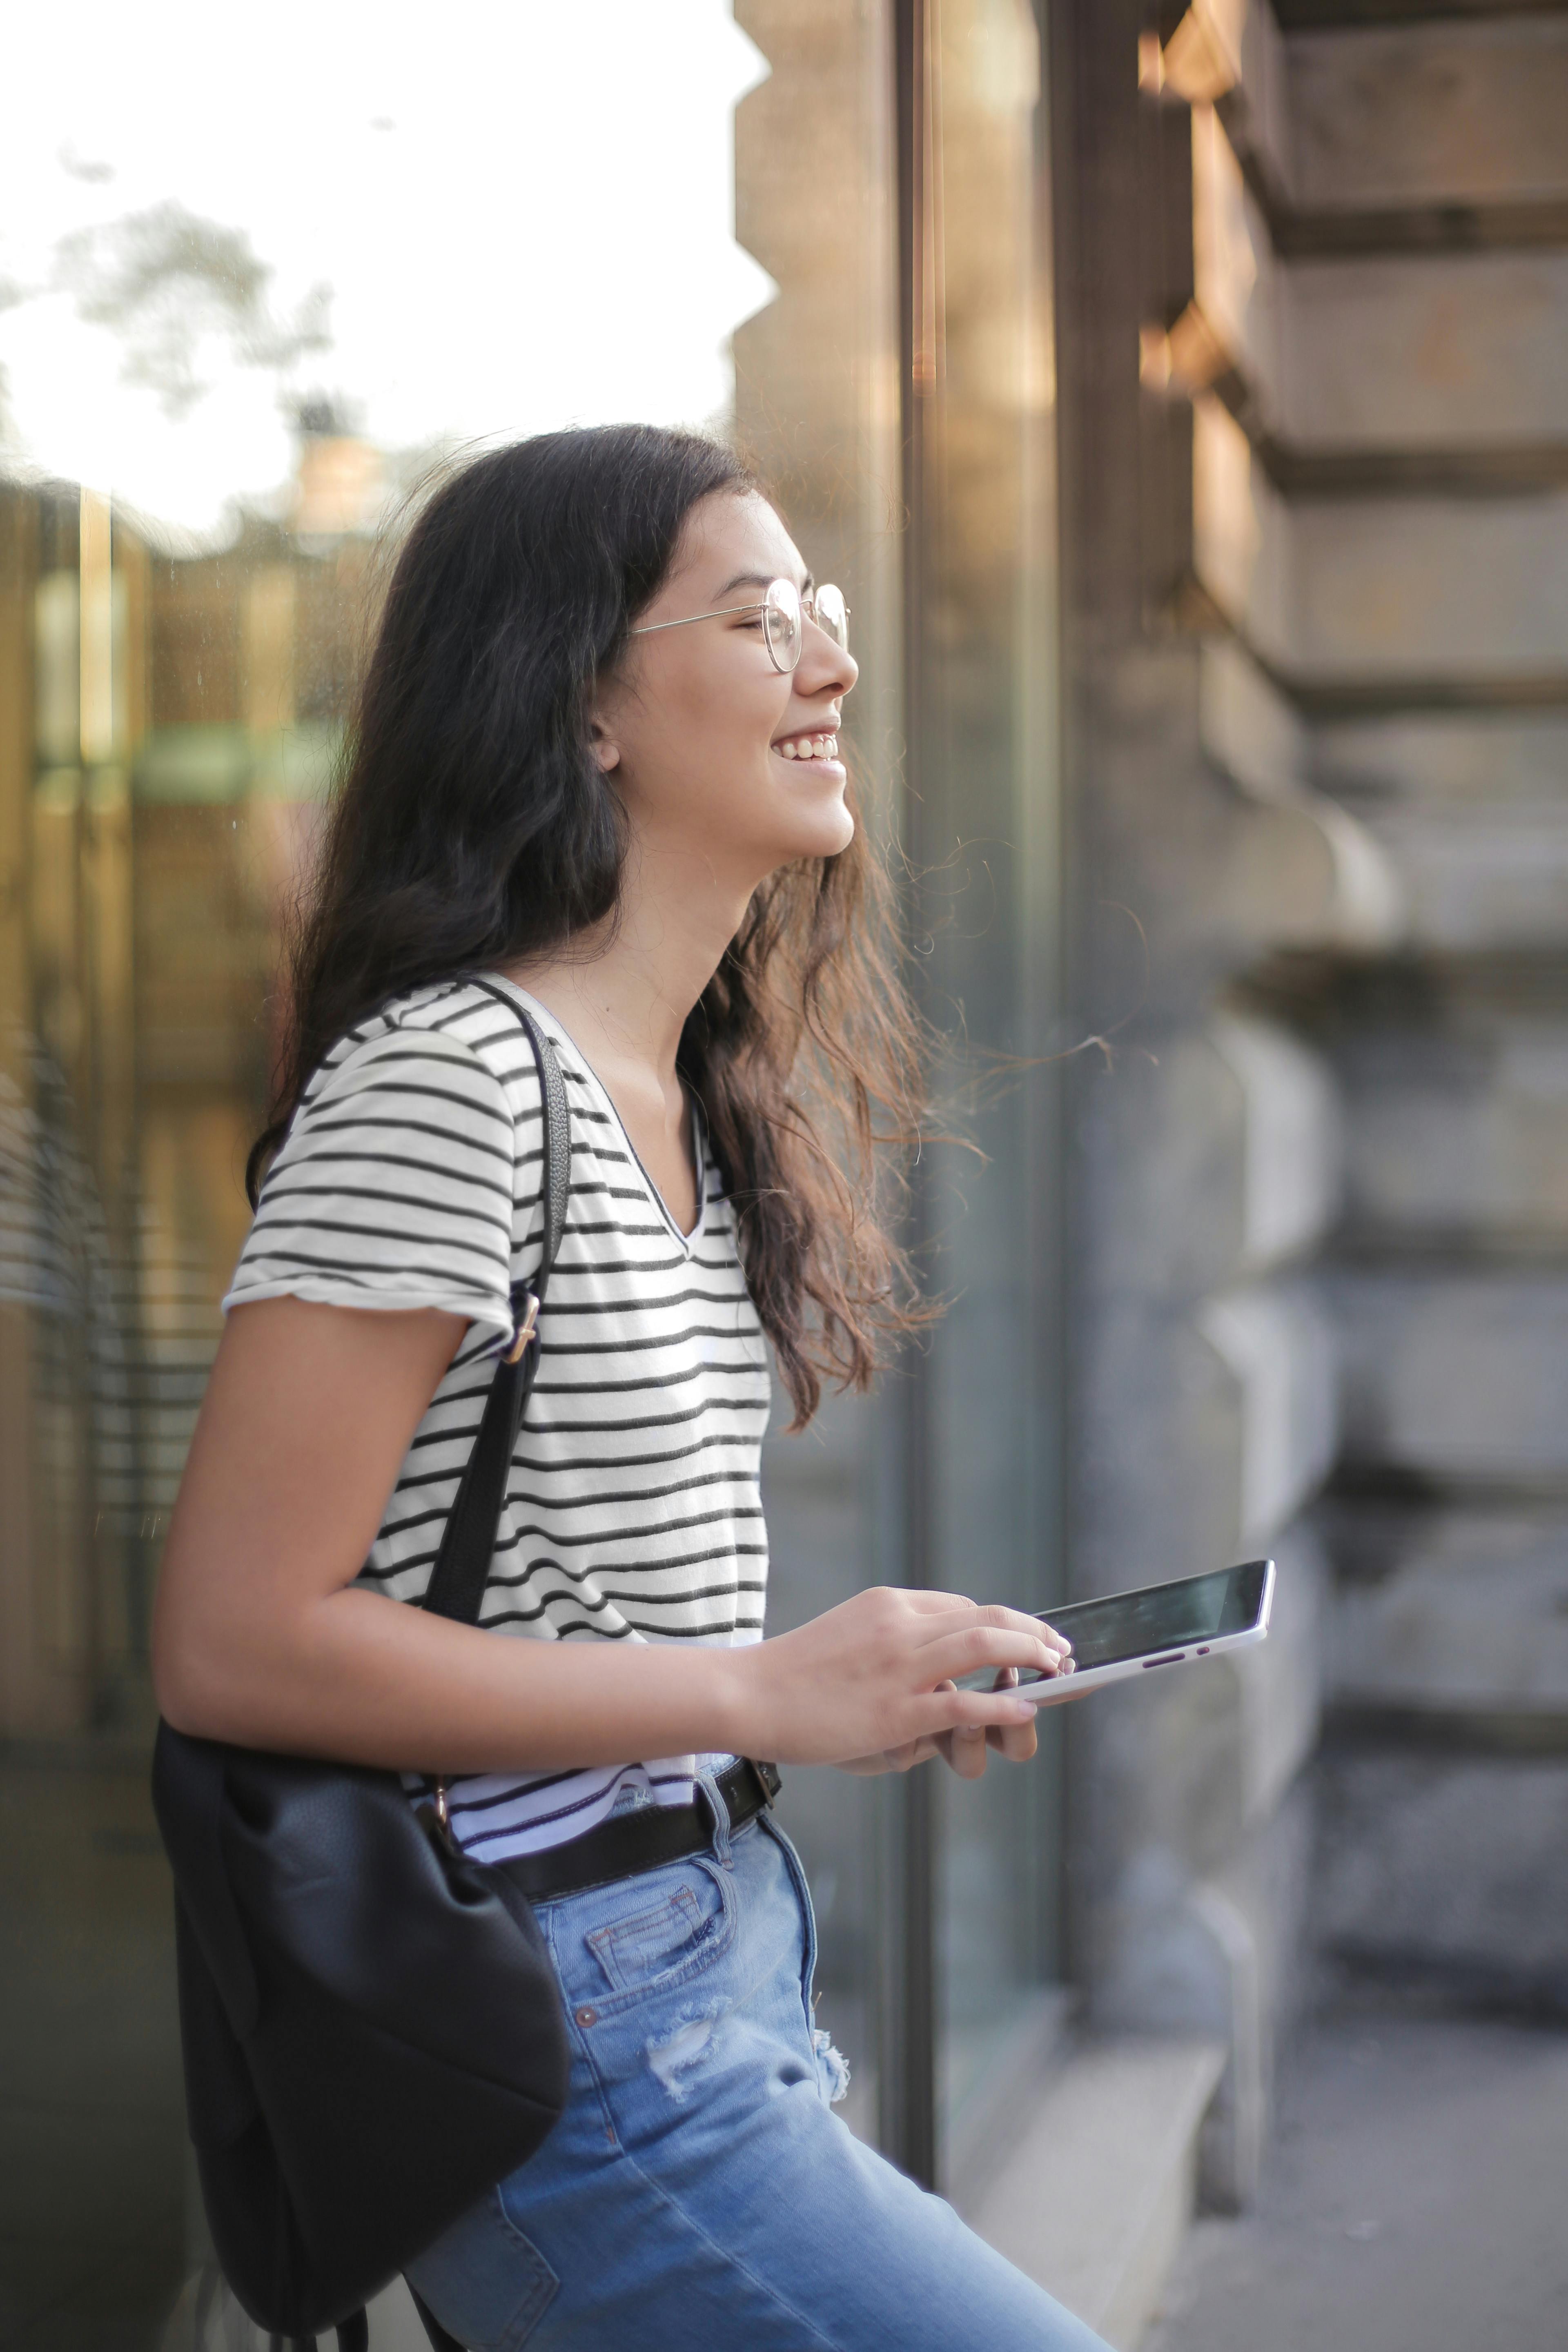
point(644, 1839)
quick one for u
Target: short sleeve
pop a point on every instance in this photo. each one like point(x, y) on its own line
point(394, 1187)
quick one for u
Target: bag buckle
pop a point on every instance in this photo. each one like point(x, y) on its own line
point(434, 1816)
point(525, 1331)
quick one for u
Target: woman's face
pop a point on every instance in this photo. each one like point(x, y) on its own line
point(714, 752)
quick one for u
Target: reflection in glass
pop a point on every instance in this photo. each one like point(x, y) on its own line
point(177, 641)
point(954, 764)
point(985, 829)
point(249, 367)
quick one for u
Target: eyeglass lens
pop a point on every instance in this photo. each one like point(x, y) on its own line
point(781, 626)
point(831, 614)
point(782, 618)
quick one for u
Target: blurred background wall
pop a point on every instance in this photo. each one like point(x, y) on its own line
point(1179, 394)
point(1318, 652)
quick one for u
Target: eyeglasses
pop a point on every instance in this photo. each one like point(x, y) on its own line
point(785, 613)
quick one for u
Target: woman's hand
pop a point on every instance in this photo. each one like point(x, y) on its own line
point(872, 1684)
point(967, 1749)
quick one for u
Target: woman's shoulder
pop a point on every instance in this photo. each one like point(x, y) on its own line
point(458, 1036)
point(440, 1082)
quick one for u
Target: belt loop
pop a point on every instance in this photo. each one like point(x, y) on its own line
point(713, 1797)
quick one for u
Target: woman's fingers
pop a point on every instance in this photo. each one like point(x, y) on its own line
point(965, 1752)
point(973, 1647)
point(944, 1709)
point(985, 1618)
point(1014, 1741)
point(967, 1748)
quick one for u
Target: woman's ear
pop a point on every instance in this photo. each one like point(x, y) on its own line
point(605, 752)
point(600, 736)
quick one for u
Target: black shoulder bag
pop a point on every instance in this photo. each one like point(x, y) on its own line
point(371, 2030)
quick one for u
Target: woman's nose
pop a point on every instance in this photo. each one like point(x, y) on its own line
point(824, 665)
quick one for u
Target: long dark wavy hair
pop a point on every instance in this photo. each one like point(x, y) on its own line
point(472, 828)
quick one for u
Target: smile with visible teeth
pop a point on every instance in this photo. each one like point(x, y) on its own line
point(808, 746)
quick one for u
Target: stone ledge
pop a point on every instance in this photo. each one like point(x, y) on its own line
point(1476, 880)
point(1456, 1117)
point(1368, 593)
point(1448, 1872)
point(1098, 2191)
point(1422, 354)
point(1428, 113)
point(1453, 1378)
point(1472, 1619)
point(1482, 759)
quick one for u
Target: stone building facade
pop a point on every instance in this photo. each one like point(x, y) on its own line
point(1313, 337)
point(1305, 277)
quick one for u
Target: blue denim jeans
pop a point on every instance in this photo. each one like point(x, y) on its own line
point(699, 2192)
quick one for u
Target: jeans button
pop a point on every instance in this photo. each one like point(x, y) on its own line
point(587, 2016)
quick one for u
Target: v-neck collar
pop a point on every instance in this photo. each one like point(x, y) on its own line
point(699, 1125)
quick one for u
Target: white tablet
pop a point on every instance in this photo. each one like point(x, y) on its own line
point(1161, 1625)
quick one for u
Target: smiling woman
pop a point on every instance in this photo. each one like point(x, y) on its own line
point(566, 804)
point(478, 805)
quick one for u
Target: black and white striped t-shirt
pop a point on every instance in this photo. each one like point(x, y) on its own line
point(411, 1177)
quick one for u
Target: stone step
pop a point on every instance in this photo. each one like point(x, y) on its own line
point(1478, 881)
point(1271, 1341)
point(1377, 590)
point(1423, 352)
point(1478, 586)
point(1464, 760)
point(1375, 117)
point(1453, 1380)
point(1095, 2197)
point(1469, 811)
point(1235, 1403)
point(1456, 1110)
point(1236, 856)
point(1394, 354)
point(1242, 1118)
point(1463, 1633)
point(1429, 112)
point(1448, 1871)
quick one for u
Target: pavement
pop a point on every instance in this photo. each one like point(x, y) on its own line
point(1415, 2201)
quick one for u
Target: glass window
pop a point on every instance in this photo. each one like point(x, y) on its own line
point(899, 394)
point(235, 333)
point(242, 331)
point(982, 830)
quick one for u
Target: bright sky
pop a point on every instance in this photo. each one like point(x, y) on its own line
point(524, 208)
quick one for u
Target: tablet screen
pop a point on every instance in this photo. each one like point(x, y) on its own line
point(1161, 1617)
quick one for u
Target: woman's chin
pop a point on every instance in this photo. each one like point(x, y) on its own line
point(821, 830)
point(827, 839)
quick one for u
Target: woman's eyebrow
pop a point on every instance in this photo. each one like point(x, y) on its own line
point(760, 580)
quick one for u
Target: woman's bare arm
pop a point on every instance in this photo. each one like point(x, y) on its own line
point(257, 1637)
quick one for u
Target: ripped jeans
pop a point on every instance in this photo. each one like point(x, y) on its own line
point(698, 2191)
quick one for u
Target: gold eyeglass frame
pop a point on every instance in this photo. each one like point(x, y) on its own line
point(780, 604)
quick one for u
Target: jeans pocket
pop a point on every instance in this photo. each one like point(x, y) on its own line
point(767, 1827)
point(488, 2284)
point(687, 1923)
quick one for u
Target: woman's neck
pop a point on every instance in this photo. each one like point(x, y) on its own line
point(624, 989)
point(624, 997)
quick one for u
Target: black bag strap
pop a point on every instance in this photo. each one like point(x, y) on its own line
point(463, 1563)
point(462, 1566)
